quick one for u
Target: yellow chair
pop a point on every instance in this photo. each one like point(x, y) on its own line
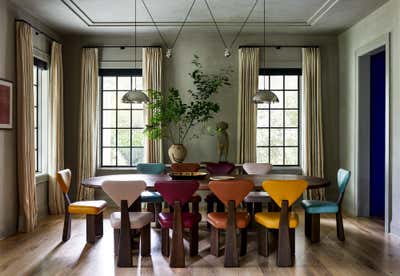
point(92, 209)
point(284, 193)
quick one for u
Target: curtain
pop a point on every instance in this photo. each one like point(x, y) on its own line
point(87, 146)
point(25, 129)
point(314, 138)
point(248, 86)
point(56, 129)
point(152, 80)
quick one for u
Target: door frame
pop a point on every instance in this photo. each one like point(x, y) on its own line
point(368, 49)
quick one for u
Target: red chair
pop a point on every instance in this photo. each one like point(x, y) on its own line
point(177, 193)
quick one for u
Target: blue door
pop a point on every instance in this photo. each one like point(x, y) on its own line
point(377, 150)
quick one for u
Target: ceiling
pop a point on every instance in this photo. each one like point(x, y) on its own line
point(117, 16)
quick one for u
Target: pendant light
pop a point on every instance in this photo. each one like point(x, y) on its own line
point(265, 96)
point(134, 95)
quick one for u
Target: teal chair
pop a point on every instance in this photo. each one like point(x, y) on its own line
point(152, 199)
point(313, 209)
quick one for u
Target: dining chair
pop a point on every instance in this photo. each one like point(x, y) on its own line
point(92, 209)
point(313, 209)
point(177, 193)
point(255, 199)
point(231, 194)
point(284, 193)
point(153, 200)
point(185, 167)
point(124, 193)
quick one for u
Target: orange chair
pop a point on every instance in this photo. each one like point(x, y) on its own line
point(231, 194)
point(185, 167)
point(92, 209)
point(284, 193)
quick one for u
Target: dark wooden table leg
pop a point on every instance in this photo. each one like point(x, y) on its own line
point(194, 240)
point(151, 208)
point(243, 241)
point(292, 234)
point(214, 249)
point(250, 210)
point(339, 226)
point(116, 241)
point(315, 227)
point(307, 225)
point(145, 241)
point(99, 225)
point(263, 247)
point(157, 207)
point(165, 242)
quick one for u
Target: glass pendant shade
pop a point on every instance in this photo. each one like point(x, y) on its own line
point(135, 96)
point(265, 96)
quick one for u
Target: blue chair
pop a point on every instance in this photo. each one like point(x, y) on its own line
point(313, 209)
point(153, 199)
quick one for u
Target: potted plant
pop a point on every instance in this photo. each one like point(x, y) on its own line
point(174, 119)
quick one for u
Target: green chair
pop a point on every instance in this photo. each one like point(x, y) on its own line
point(153, 199)
point(313, 209)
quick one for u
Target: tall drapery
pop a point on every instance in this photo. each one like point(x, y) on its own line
point(56, 129)
point(25, 129)
point(88, 121)
point(314, 138)
point(152, 80)
point(247, 115)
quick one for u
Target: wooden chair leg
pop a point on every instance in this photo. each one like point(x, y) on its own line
point(145, 241)
point(125, 238)
point(210, 209)
point(214, 242)
point(90, 228)
point(194, 240)
point(165, 241)
point(307, 225)
point(339, 226)
point(99, 226)
point(231, 250)
point(284, 256)
point(67, 227)
point(250, 210)
point(151, 209)
point(263, 246)
point(157, 210)
point(243, 241)
point(116, 241)
point(292, 234)
point(315, 227)
point(177, 258)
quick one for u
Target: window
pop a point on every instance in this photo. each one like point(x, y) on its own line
point(278, 124)
point(121, 132)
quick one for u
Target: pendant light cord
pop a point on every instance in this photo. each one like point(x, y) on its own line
point(155, 25)
point(265, 49)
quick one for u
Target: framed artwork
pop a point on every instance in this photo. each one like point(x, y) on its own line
point(6, 106)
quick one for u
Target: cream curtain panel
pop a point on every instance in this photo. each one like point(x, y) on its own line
point(25, 129)
point(314, 138)
point(56, 129)
point(152, 80)
point(88, 121)
point(247, 115)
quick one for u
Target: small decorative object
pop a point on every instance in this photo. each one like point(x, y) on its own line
point(187, 175)
point(174, 119)
point(222, 140)
point(6, 112)
point(227, 52)
point(169, 53)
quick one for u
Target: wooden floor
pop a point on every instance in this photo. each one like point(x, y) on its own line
point(366, 251)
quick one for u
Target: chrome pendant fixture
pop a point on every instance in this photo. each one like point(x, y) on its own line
point(265, 96)
point(135, 96)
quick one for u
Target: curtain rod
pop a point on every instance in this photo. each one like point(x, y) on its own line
point(121, 46)
point(37, 30)
point(278, 46)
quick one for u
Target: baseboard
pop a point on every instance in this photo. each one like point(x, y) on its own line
point(395, 228)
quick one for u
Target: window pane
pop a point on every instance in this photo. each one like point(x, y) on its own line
point(137, 155)
point(35, 121)
point(109, 100)
point(122, 105)
point(123, 155)
point(291, 82)
point(109, 118)
point(291, 99)
point(262, 137)
point(261, 84)
point(291, 156)
point(36, 139)
point(291, 118)
point(264, 105)
point(35, 99)
point(137, 138)
point(124, 138)
point(109, 83)
point(109, 157)
point(34, 75)
point(137, 118)
point(276, 82)
point(276, 137)
point(124, 118)
point(124, 83)
point(262, 155)
point(138, 83)
point(276, 118)
point(279, 104)
point(109, 137)
point(262, 118)
point(277, 156)
point(291, 137)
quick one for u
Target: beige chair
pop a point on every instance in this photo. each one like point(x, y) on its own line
point(92, 209)
point(124, 193)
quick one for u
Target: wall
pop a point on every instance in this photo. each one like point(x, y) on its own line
point(380, 22)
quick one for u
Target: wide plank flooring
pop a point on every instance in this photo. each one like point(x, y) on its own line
point(366, 251)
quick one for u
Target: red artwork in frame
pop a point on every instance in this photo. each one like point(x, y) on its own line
point(6, 95)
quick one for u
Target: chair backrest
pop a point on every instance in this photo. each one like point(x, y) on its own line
point(123, 190)
point(177, 190)
point(185, 167)
point(343, 177)
point(257, 168)
point(220, 168)
point(228, 190)
point(64, 180)
point(150, 168)
point(289, 190)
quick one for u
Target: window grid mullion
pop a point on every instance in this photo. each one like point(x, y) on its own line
point(116, 122)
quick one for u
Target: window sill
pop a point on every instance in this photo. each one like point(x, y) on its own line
point(41, 178)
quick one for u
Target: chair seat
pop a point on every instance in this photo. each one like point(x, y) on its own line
point(319, 206)
point(137, 219)
point(257, 197)
point(220, 220)
point(189, 219)
point(147, 196)
point(92, 207)
point(271, 219)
